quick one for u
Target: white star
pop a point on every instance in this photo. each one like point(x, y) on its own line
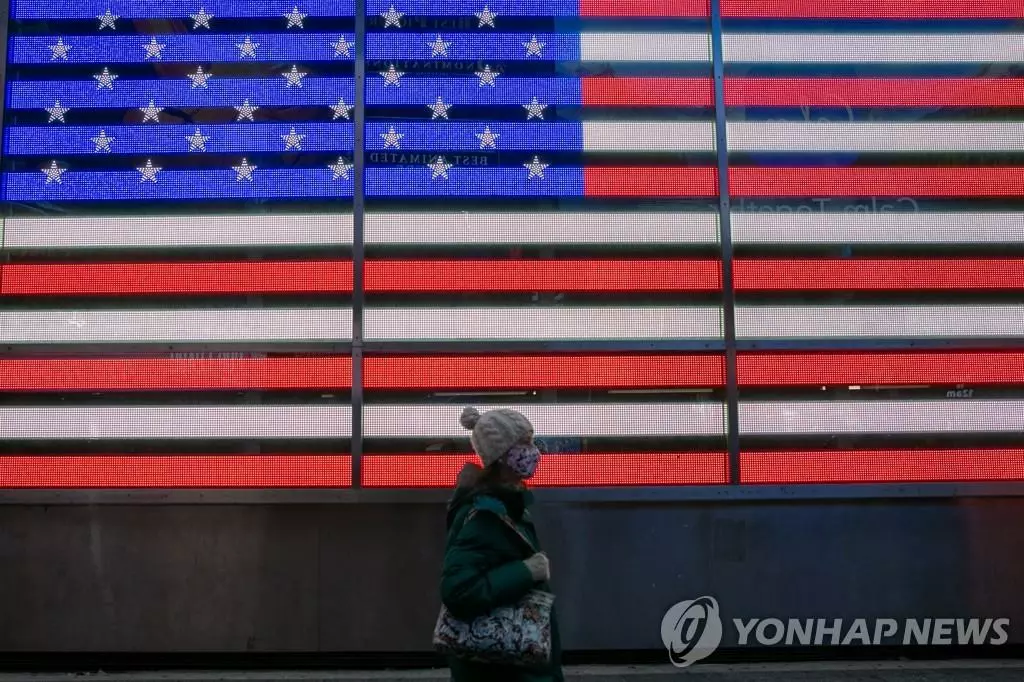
point(60, 50)
point(486, 17)
point(244, 171)
point(535, 109)
point(340, 169)
point(392, 77)
point(487, 138)
point(201, 19)
point(295, 18)
point(153, 49)
point(105, 79)
point(199, 78)
point(342, 48)
point(247, 48)
point(149, 171)
point(533, 47)
point(439, 48)
point(102, 142)
point(57, 112)
point(341, 109)
point(197, 141)
point(107, 20)
point(151, 112)
point(391, 138)
point(54, 173)
point(487, 77)
point(392, 17)
point(293, 140)
point(294, 77)
point(536, 168)
point(439, 168)
point(246, 111)
point(439, 109)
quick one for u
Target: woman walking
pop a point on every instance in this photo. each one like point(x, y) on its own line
point(489, 556)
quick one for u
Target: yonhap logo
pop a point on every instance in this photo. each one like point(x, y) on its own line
point(691, 630)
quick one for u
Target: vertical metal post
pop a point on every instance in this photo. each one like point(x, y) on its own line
point(358, 255)
point(725, 223)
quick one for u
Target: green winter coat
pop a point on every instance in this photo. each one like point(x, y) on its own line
point(483, 569)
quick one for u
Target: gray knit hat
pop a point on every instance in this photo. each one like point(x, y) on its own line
point(495, 432)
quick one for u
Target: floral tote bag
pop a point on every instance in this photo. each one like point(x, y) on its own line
point(518, 634)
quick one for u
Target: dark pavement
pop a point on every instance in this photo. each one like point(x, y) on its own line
point(952, 671)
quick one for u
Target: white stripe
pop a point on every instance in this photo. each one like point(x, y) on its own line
point(895, 321)
point(669, 136)
point(475, 229)
point(126, 232)
point(215, 421)
point(803, 136)
point(167, 326)
point(882, 417)
point(645, 47)
point(673, 136)
point(806, 223)
point(581, 420)
point(843, 48)
point(542, 324)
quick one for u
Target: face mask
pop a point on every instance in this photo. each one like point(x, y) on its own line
point(523, 460)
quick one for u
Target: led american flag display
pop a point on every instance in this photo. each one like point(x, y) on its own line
point(238, 234)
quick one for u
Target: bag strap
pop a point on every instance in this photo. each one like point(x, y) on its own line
point(508, 522)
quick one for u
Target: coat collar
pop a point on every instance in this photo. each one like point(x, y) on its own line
point(515, 499)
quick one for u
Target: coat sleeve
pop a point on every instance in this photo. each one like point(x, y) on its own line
point(470, 587)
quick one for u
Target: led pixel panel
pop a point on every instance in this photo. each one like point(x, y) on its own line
point(540, 175)
point(176, 280)
point(624, 419)
point(878, 222)
point(134, 101)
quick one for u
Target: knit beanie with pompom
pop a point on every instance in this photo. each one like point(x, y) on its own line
point(494, 432)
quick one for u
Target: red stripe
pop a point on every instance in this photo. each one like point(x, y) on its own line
point(650, 182)
point(392, 276)
point(869, 92)
point(879, 274)
point(177, 471)
point(644, 8)
point(882, 181)
point(177, 278)
point(501, 372)
point(881, 369)
point(872, 9)
point(792, 92)
point(153, 374)
point(647, 92)
point(556, 470)
point(549, 275)
point(882, 466)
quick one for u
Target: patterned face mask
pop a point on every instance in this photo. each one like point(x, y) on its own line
point(523, 460)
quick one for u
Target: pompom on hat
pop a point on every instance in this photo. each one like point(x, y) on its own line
point(494, 432)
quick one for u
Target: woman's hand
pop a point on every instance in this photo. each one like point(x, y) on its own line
point(539, 567)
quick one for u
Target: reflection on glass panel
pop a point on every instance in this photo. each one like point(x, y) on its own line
point(176, 245)
point(541, 180)
point(877, 171)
